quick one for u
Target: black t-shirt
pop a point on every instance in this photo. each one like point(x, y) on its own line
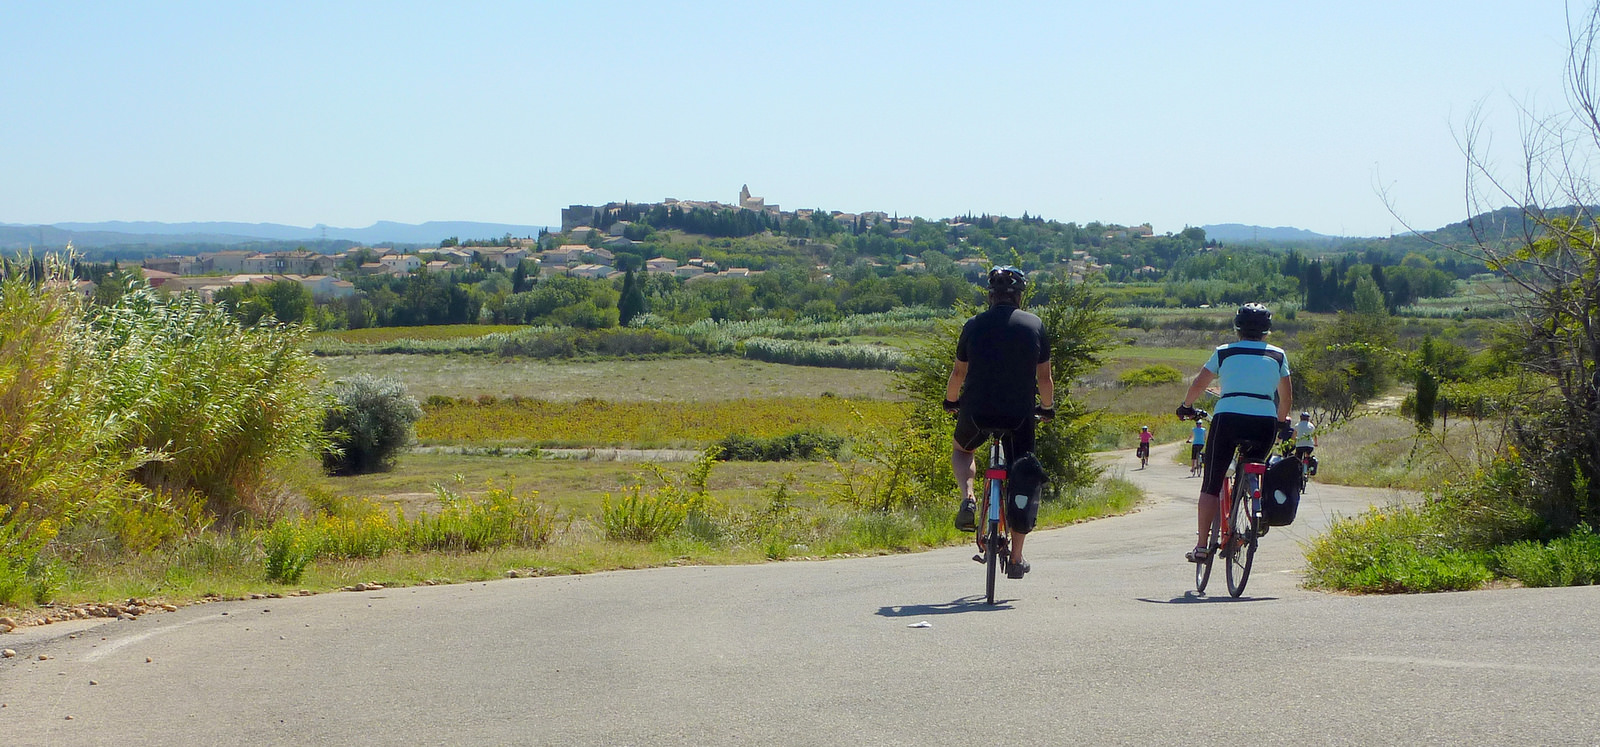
point(1002, 348)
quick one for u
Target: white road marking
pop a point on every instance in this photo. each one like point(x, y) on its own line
point(1454, 664)
point(114, 646)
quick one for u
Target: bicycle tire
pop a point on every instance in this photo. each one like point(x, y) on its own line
point(1241, 554)
point(1202, 573)
point(993, 560)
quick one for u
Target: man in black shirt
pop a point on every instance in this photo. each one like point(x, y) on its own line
point(1002, 362)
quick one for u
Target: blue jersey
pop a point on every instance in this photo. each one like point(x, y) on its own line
point(1247, 374)
point(1199, 435)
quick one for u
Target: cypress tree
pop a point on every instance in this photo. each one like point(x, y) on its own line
point(631, 304)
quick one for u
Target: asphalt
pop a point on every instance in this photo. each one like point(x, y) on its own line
point(1104, 643)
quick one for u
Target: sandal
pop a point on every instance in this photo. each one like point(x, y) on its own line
point(1197, 555)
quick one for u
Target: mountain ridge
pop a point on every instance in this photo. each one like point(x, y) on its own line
point(133, 233)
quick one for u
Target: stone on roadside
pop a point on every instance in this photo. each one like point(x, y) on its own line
point(7, 624)
point(7, 653)
point(170, 607)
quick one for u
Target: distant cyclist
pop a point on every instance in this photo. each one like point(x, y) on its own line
point(1002, 363)
point(1197, 446)
point(1305, 436)
point(1143, 453)
point(1252, 411)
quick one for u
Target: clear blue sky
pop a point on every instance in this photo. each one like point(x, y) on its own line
point(1170, 112)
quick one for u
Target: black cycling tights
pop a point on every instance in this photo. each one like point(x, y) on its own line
point(1230, 430)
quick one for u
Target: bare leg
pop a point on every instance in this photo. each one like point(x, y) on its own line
point(1207, 514)
point(1016, 546)
point(963, 464)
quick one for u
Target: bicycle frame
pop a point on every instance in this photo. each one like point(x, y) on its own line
point(1226, 539)
point(993, 538)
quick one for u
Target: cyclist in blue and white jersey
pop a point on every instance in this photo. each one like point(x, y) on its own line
point(1252, 410)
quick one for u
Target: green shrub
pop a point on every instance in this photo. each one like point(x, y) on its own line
point(25, 576)
point(56, 433)
point(1393, 550)
point(803, 353)
point(641, 517)
point(1152, 375)
point(370, 420)
point(289, 547)
point(649, 516)
point(211, 404)
point(1573, 560)
point(802, 445)
point(500, 518)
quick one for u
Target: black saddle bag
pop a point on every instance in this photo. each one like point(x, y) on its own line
point(1280, 492)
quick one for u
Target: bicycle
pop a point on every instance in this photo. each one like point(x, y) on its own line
point(1237, 529)
point(993, 536)
point(1143, 452)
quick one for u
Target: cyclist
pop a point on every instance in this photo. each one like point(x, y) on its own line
point(1305, 436)
point(1197, 446)
point(1252, 410)
point(1143, 453)
point(1002, 362)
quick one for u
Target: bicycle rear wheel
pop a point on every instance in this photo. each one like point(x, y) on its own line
point(1241, 543)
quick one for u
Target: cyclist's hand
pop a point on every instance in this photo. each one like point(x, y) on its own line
point(1285, 431)
point(1044, 414)
point(1186, 412)
point(952, 405)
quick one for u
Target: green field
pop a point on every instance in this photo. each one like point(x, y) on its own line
point(660, 380)
point(524, 423)
point(375, 335)
point(575, 486)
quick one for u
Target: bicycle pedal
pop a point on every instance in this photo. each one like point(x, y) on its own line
point(979, 558)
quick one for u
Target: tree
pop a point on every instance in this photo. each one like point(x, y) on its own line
point(632, 302)
point(1427, 384)
point(1552, 257)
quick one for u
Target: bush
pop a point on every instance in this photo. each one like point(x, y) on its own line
point(649, 516)
point(641, 517)
point(362, 529)
point(1151, 375)
point(370, 421)
point(289, 548)
point(24, 575)
point(1392, 550)
point(803, 445)
point(1566, 561)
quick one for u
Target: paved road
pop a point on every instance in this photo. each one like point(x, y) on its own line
point(1102, 644)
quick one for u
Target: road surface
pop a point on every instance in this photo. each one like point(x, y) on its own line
point(1103, 643)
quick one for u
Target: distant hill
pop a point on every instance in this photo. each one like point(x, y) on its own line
point(130, 234)
point(1240, 233)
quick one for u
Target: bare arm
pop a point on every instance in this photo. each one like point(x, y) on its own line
point(1285, 398)
point(958, 376)
point(1201, 381)
point(1047, 385)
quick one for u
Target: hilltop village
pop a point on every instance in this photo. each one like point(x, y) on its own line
point(587, 246)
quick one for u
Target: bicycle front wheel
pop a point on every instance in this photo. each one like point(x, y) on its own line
point(1242, 540)
point(1202, 569)
point(993, 570)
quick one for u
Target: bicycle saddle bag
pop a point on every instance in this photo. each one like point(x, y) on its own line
point(1280, 492)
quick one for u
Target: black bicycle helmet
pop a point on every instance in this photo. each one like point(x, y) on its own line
point(1305, 416)
point(1006, 278)
point(1252, 318)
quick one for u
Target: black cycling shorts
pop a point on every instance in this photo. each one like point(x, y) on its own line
point(1303, 451)
point(972, 432)
point(1229, 431)
point(1195, 450)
